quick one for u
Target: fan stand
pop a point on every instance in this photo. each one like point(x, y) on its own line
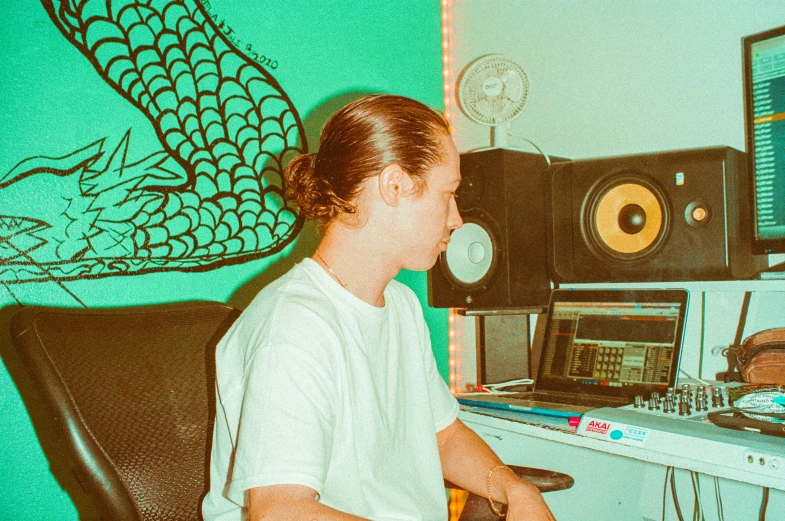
point(499, 136)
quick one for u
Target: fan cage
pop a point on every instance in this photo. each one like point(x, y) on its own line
point(493, 90)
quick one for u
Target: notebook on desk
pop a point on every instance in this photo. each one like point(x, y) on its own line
point(601, 348)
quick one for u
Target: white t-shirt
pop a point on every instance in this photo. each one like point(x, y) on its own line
point(316, 387)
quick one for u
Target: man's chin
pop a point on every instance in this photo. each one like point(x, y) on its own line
point(423, 264)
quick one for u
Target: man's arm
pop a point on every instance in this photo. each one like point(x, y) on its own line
point(467, 460)
point(291, 503)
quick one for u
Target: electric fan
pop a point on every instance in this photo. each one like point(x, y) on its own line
point(493, 90)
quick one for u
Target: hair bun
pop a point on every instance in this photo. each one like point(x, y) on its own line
point(313, 193)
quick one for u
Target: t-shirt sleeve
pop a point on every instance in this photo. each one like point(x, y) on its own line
point(286, 420)
point(445, 406)
point(443, 403)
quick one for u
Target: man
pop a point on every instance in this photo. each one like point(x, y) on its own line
point(330, 405)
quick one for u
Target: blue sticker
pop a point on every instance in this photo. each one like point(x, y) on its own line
point(616, 434)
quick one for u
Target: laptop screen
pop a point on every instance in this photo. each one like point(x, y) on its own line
point(612, 342)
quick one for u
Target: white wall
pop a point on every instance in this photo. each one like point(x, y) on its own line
point(614, 77)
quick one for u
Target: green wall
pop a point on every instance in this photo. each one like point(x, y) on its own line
point(70, 142)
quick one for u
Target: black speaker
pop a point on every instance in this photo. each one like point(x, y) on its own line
point(502, 348)
point(670, 216)
point(499, 257)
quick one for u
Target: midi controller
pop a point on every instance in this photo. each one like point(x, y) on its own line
point(677, 425)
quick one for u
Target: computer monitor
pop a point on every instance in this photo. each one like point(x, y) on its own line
point(764, 95)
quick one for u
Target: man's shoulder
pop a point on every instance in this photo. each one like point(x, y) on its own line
point(296, 285)
point(405, 295)
point(292, 300)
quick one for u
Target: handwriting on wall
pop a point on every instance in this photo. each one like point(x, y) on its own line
point(234, 39)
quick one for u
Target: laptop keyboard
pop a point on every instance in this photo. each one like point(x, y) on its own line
point(583, 401)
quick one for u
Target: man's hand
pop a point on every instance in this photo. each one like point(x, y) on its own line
point(467, 460)
point(525, 502)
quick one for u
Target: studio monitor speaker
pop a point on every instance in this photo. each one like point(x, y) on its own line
point(669, 216)
point(499, 257)
point(502, 348)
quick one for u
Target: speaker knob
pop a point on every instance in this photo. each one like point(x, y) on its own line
point(698, 213)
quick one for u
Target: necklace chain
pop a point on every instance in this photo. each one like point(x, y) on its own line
point(330, 269)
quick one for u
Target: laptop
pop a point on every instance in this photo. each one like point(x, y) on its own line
point(601, 348)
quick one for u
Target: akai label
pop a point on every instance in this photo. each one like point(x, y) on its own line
point(598, 426)
point(613, 431)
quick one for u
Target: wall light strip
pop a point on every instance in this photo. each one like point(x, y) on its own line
point(455, 346)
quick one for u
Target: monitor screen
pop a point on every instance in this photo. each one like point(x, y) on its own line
point(618, 343)
point(764, 94)
point(614, 343)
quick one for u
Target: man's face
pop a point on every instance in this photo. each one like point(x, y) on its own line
point(431, 216)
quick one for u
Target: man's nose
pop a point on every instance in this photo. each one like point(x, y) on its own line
point(455, 221)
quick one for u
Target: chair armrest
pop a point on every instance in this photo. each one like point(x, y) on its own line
point(477, 508)
point(544, 480)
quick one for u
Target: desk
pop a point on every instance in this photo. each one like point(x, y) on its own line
point(616, 482)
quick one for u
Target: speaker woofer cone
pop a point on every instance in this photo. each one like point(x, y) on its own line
point(471, 257)
point(625, 217)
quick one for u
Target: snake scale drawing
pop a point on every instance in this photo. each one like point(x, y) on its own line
point(212, 195)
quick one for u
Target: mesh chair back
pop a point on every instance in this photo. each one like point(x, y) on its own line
point(132, 395)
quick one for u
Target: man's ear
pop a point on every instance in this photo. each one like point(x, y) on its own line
point(394, 183)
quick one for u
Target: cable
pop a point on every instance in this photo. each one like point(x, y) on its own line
point(688, 374)
point(703, 334)
point(745, 306)
point(665, 491)
point(696, 503)
point(697, 513)
point(720, 513)
point(498, 387)
point(510, 383)
point(731, 353)
point(695, 508)
point(673, 493)
point(764, 502)
point(532, 143)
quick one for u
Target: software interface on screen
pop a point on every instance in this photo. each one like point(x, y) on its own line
point(613, 344)
point(767, 65)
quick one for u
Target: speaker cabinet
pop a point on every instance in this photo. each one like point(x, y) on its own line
point(499, 257)
point(670, 216)
point(502, 348)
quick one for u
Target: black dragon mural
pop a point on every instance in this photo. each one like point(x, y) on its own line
point(212, 195)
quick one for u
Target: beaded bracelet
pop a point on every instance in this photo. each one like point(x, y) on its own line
point(488, 488)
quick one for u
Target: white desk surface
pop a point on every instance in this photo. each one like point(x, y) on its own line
point(703, 460)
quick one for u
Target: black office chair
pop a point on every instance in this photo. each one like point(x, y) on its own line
point(131, 391)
